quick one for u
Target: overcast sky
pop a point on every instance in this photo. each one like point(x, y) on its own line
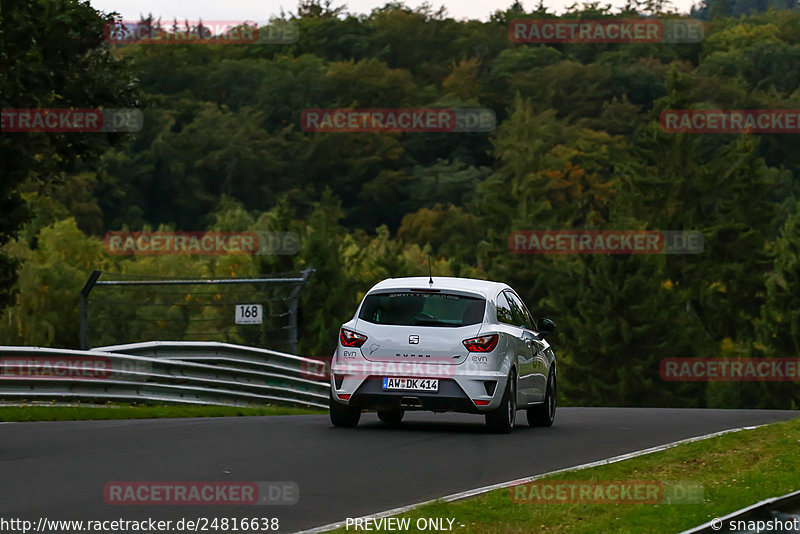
point(258, 10)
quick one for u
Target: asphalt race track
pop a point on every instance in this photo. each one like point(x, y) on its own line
point(58, 470)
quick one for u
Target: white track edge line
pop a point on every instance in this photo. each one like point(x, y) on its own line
point(501, 485)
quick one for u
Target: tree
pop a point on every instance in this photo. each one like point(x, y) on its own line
point(52, 56)
point(778, 326)
point(46, 306)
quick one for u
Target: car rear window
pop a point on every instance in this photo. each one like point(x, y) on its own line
point(422, 309)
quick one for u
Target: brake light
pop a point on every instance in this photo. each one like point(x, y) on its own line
point(482, 343)
point(351, 339)
point(481, 402)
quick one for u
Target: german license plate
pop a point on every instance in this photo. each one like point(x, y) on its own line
point(410, 384)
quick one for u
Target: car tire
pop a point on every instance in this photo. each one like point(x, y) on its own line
point(544, 414)
point(343, 415)
point(501, 420)
point(391, 416)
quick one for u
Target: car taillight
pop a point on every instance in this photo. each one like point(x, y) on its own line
point(482, 343)
point(350, 338)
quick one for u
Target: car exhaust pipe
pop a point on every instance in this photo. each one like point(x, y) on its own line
point(410, 402)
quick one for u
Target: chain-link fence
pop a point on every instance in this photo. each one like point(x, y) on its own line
point(257, 312)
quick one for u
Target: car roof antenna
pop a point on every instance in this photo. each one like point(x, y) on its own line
point(430, 273)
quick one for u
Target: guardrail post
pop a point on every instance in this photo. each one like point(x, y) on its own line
point(293, 298)
point(87, 288)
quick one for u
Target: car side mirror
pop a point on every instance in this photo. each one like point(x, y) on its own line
point(546, 327)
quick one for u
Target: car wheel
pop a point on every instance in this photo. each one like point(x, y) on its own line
point(391, 416)
point(343, 415)
point(545, 413)
point(502, 419)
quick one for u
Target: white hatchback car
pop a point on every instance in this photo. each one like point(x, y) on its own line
point(444, 344)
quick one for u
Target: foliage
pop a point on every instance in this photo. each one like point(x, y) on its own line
point(577, 147)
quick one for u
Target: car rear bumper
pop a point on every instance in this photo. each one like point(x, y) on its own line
point(450, 397)
point(455, 393)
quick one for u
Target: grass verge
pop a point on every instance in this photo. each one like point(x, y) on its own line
point(127, 411)
point(735, 470)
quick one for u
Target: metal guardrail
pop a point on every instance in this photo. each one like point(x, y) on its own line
point(227, 353)
point(172, 372)
point(785, 509)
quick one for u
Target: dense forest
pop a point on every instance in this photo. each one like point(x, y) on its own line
point(577, 146)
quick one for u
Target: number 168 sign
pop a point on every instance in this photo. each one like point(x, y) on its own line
point(249, 314)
